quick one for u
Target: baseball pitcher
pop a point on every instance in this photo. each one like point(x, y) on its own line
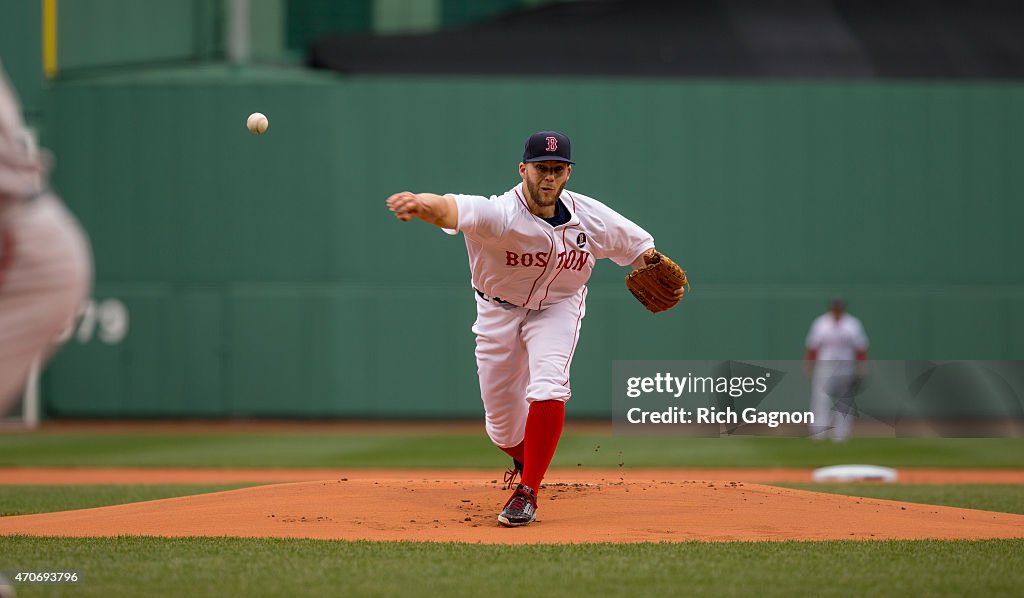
point(531, 251)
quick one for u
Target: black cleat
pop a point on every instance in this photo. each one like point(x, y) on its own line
point(521, 509)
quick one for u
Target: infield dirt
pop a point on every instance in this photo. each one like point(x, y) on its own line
point(461, 506)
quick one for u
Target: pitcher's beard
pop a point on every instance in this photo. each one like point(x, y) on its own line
point(542, 200)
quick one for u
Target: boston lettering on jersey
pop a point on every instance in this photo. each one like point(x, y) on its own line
point(538, 262)
point(571, 260)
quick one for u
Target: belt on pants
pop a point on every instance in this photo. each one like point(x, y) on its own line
point(498, 299)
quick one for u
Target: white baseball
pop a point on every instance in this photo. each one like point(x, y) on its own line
point(257, 123)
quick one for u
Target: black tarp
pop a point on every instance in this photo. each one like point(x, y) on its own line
point(981, 39)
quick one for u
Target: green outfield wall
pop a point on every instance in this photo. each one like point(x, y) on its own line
point(21, 50)
point(262, 276)
point(118, 34)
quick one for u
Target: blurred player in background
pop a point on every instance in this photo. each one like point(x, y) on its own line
point(836, 358)
point(45, 262)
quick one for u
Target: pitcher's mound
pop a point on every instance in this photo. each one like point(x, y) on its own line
point(571, 509)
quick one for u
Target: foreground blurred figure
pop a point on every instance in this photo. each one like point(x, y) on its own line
point(45, 263)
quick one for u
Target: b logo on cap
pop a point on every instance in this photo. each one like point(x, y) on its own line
point(552, 144)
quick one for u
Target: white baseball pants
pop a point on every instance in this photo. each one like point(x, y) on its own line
point(830, 420)
point(522, 356)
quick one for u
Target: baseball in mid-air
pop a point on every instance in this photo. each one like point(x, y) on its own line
point(257, 123)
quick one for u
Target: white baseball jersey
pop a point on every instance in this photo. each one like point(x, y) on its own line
point(533, 274)
point(836, 340)
point(524, 260)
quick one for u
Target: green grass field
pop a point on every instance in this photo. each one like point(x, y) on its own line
point(290, 449)
point(1005, 498)
point(247, 567)
point(131, 566)
point(25, 500)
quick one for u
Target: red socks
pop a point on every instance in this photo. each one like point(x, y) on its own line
point(516, 452)
point(543, 429)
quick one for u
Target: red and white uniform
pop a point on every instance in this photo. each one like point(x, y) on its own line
point(45, 264)
point(836, 345)
point(525, 342)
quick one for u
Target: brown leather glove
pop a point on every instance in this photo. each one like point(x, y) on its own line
point(657, 284)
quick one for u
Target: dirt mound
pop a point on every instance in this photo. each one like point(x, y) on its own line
point(429, 507)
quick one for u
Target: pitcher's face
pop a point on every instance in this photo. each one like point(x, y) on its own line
point(544, 181)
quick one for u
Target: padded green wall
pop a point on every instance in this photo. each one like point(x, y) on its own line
point(122, 34)
point(21, 50)
point(115, 33)
point(308, 20)
point(265, 277)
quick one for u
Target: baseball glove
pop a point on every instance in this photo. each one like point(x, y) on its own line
point(655, 284)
